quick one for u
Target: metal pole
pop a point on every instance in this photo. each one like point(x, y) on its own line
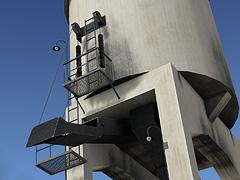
point(66, 60)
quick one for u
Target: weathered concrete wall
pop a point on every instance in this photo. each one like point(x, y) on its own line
point(142, 35)
point(182, 116)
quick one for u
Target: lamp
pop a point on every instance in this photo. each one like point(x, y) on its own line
point(57, 48)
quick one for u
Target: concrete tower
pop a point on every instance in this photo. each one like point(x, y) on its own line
point(168, 54)
point(156, 96)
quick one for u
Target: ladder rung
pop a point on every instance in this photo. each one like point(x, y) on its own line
point(92, 59)
point(73, 120)
point(90, 38)
point(89, 19)
point(74, 69)
point(73, 108)
point(89, 30)
point(91, 49)
point(87, 63)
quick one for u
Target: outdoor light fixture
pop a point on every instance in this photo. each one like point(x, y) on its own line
point(56, 48)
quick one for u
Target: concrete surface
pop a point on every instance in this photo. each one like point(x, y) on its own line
point(182, 116)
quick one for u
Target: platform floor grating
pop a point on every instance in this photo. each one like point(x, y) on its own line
point(88, 83)
point(62, 162)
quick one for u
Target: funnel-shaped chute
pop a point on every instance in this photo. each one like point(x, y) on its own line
point(99, 130)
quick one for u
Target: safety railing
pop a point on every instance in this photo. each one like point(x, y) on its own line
point(90, 75)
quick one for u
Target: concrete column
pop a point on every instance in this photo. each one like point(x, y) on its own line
point(180, 155)
point(109, 158)
point(217, 157)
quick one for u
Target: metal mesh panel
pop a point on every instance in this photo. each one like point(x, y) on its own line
point(61, 163)
point(90, 82)
point(92, 65)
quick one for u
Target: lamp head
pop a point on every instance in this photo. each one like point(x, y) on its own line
point(56, 48)
point(149, 138)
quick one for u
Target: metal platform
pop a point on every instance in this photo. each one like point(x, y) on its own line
point(91, 69)
point(59, 132)
point(90, 82)
point(62, 162)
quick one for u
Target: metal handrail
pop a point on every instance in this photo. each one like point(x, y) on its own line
point(49, 147)
point(69, 74)
point(84, 54)
point(46, 147)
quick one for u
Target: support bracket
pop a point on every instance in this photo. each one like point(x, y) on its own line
point(220, 106)
point(98, 21)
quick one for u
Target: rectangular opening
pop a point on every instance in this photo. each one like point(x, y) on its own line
point(100, 175)
point(93, 122)
point(209, 173)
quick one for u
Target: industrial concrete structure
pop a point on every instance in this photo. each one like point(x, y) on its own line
point(168, 68)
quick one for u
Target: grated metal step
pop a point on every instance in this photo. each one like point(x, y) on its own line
point(82, 85)
point(62, 162)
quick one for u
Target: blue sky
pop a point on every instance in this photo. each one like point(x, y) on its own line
point(27, 32)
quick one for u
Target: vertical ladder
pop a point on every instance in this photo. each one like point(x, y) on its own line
point(73, 103)
point(72, 114)
point(91, 51)
point(72, 109)
point(92, 71)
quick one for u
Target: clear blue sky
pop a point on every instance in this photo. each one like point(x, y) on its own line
point(28, 30)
